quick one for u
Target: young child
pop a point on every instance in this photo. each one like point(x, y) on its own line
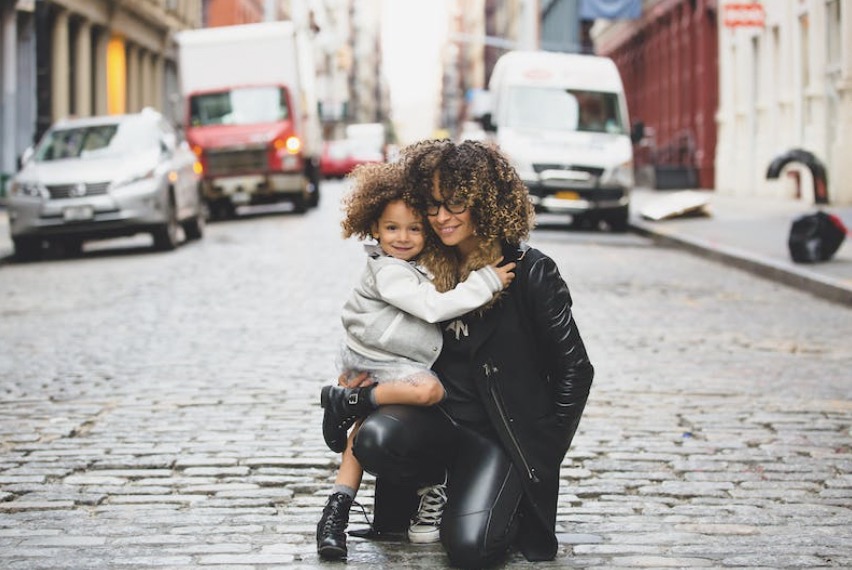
point(391, 335)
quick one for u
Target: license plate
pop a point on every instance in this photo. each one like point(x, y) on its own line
point(78, 213)
point(240, 198)
point(567, 195)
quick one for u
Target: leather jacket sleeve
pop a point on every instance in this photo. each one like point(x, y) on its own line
point(567, 363)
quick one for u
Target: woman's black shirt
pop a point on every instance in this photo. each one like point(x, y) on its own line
point(462, 403)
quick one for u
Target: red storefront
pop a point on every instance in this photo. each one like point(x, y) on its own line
point(669, 64)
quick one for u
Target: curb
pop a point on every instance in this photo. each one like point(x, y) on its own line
point(817, 285)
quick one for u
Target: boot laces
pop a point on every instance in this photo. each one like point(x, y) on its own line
point(432, 501)
point(337, 517)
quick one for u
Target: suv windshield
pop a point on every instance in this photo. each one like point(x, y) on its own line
point(555, 108)
point(244, 106)
point(110, 140)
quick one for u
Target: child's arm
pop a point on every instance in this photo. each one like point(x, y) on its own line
point(401, 288)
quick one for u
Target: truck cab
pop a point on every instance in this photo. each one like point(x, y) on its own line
point(250, 115)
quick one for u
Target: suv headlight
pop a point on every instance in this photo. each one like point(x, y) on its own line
point(132, 179)
point(28, 189)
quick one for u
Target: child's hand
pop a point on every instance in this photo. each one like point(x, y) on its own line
point(362, 379)
point(505, 272)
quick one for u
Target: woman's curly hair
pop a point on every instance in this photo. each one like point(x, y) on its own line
point(373, 187)
point(478, 173)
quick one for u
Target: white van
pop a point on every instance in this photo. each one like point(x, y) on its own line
point(562, 119)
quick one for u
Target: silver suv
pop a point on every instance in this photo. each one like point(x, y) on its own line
point(102, 177)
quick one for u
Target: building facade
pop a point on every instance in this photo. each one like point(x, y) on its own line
point(786, 83)
point(82, 58)
point(368, 89)
point(91, 57)
point(668, 59)
point(217, 13)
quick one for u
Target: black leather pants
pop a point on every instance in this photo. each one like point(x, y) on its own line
point(417, 445)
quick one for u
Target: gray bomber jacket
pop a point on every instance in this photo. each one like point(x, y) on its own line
point(392, 312)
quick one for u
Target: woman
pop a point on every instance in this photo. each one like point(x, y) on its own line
point(516, 373)
point(392, 295)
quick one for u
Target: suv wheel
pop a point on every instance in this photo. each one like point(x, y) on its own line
point(193, 228)
point(27, 249)
point(166, 236)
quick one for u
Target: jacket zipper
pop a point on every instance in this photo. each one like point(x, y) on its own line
point(498, 401)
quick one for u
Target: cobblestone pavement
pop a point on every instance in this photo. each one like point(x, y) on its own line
point(160, 410)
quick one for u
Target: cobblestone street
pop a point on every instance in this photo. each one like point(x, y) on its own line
point(161, 410)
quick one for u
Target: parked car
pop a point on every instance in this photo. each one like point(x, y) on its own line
point(102, 177)
point(340, 156)
point(335, 161)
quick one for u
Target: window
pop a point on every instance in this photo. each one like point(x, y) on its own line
point(555, 108)
point(833, 34)
point(244, 106)
point(804, 29)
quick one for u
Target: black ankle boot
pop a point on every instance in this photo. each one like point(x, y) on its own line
point(342, 407)
point(331, 530)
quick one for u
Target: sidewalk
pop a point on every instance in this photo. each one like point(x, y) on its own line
point(751, 233)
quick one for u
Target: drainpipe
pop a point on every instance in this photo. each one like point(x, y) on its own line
point(9, 64)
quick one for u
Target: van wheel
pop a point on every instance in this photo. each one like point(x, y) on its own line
point(618, 221)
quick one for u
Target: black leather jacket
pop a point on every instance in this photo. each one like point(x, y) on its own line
point(534, 376)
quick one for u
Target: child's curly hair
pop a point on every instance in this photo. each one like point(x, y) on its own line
point(478, 173)
point(373, 187)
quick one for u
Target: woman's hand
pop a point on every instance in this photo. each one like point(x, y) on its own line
point(505, 272)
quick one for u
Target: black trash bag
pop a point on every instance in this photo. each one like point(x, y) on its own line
point(815, 237)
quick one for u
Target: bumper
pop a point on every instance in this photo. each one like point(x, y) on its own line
point(256, 188)
point(125, 212)
point(577, 200)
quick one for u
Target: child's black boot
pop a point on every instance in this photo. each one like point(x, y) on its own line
point(342, 407)
point(331, 529)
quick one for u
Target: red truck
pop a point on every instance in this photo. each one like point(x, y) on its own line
point(251, 114)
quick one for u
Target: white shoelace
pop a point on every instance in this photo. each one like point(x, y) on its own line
point(432, 501)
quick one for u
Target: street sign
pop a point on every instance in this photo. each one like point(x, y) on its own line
point(749, 14)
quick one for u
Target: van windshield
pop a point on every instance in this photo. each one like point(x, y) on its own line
point(242, 106)
point(555, 108)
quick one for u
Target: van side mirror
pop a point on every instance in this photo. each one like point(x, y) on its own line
point(487, 124)
point(637, 133)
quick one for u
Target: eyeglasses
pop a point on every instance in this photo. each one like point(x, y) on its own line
point(453, 206)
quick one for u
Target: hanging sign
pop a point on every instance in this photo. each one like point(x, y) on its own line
point(749, 14)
